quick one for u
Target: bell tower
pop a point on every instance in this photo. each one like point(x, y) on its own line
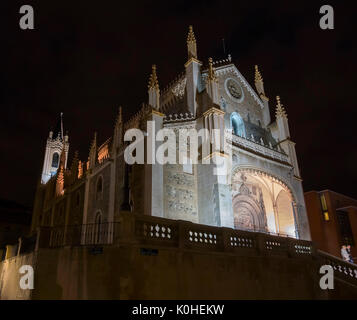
point(56, 143)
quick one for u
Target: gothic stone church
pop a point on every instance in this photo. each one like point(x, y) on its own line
point(265, 190)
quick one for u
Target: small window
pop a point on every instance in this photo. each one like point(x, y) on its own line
point(325, 213)
point(55, 160)
point(326, 216)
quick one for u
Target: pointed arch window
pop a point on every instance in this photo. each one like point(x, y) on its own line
point(99, 191)
point(55, 160)
point(237, 125)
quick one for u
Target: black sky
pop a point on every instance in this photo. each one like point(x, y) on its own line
point(87, 58)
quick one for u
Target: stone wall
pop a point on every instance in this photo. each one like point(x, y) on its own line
point(156, 258)
point(10, 277)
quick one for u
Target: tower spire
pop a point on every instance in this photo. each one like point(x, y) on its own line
point(153, 81)
point(280, 110)
point(62, 126)
point(258, 81)
point(258, 76)
point(191, 44)
point(93, 152)
point(259, 85)
point(211, 73)
point(118, 132)
point(56, 152)
point(154, 90)
point(212, 83)
point(119, 117)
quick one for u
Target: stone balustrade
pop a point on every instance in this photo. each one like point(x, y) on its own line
point(148, 232)
point(160, 232)
point(258, 148)
point(342, 269)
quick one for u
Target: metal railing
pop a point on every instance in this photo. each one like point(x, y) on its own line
point(86, 234)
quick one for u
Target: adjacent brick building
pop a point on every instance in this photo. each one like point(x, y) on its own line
point(333, 220)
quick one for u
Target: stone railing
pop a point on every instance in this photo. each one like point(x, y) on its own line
point(179, 117)
point(150, 232)
point(154, 233)
point(342, 269)
point(160, 232)
point(258, 148)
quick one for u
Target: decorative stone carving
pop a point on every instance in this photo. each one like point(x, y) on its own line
point(179, 89)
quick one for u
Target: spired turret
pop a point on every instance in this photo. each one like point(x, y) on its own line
point(282, 120)
point(212, 83)
point(191, 44)
point(57, 144)
point(193, 72)
point(92, 159)
point(284, 135)
point(259, 85)
point(118, 132)
point(154, 90)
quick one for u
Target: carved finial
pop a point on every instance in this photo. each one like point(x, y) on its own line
point(191, 44)
point(191, 36)
point(258, 76)
point(280, 110)
point(211, 74)
point(80, 169)
point(119, 117)
point(63, 158)
point(153, 81)
point(60, 182)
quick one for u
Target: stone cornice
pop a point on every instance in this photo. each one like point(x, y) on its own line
point(213, 110)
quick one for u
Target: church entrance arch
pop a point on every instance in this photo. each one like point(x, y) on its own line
point(262, 202)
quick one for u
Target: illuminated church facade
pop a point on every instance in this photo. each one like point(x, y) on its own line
point(264, 192)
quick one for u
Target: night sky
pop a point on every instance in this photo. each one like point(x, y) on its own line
point(85, 59)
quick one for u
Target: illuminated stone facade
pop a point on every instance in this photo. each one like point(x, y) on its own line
point(265, 191)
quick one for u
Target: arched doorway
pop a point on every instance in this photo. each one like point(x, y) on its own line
point(262, 202)
point(249, 213)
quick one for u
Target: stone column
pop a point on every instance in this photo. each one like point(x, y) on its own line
point(154, 176)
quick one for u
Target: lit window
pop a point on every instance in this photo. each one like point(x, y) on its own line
point(326, 216)
point(324, 207)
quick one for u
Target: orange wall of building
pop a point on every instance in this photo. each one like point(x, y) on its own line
point(326, 234)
